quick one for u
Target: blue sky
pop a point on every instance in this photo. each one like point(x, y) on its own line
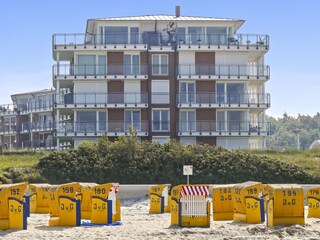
point(27, 28)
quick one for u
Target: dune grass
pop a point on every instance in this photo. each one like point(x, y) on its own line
point(307, 159)
point(19, 160)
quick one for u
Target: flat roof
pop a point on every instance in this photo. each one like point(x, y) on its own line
point(163, 17)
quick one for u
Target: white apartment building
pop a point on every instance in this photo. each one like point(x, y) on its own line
point(194, 79)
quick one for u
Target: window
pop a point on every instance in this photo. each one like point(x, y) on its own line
point(196, 35)
point(232, 93)
point(232, 121)
point(159, 64)
point(132, 92)
point(187, 92)
point(132, 118)
point(102, 121)
point(160, 91)
point(102, 64)
point(86, 65)
point(131, 64)
point(160, 120)
point(116, 35)
point(86, 121)
point(187, 121)
point(181, 35)
point(221, 121)
point(134, 35)
point(160, 139)
point(220, 93)
point(217, 35)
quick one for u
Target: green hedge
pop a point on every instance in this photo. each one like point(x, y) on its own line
point(130, 162)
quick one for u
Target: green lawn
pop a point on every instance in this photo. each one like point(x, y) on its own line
point(308, 159)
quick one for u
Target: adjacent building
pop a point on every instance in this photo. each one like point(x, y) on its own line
point(28, 122)
point(194, 79)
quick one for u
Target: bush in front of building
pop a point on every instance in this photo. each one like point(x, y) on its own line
point(130, 162)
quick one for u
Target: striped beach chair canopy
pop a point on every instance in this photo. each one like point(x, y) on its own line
point(115, 187)
point(195, 190)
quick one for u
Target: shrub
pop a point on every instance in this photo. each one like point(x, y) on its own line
point(129, 162)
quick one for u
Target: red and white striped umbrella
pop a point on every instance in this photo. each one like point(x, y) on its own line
point(195, 190)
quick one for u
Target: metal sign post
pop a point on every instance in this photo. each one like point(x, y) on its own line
point(188, 170)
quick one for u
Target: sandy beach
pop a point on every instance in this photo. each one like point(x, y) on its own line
point(137, 223)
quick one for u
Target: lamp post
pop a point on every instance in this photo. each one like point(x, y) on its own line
point(297, 132)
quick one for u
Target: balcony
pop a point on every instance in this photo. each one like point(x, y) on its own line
point(223, 100)
point(8, 129)
point(111, 71)
point(35, 106)
point(225, 128)
point(213, 41)
point(8, 109)
point(110, 128)
point(106, 100)
point(38, 145)
point(224, 72)
point(27, 127)
point(150, 39)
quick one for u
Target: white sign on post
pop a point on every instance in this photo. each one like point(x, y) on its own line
point(188, 170)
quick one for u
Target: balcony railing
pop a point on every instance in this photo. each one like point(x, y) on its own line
point(46, 144)
point(224, 127)
point(160, 39)
point(101, 98)
point(37, 126)
point(103, 127)
point(224, 70)
point(8, 129)
point(224, 98)
point(99, 70)
point(35, 106)
point(8, 109)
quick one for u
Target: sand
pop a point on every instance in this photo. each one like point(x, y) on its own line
point(138, 224)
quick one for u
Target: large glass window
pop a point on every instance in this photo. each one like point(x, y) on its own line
point(187, 92)
point(131, 64)
point(132, 118)
point(159, 64)
point(236, 93)
point(217, 35)
point(86, 121)
point(187, 121)
point(116, 35)
point(232, 93)
point(160, 120)
point(86, 64)
point(196, 35)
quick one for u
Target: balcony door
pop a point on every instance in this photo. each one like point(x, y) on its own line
point(86, 65)
point(132, 92)
point(131, 64)
point(132, 118)
point(86, 121)
point(187, 121)
point(187, 92)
